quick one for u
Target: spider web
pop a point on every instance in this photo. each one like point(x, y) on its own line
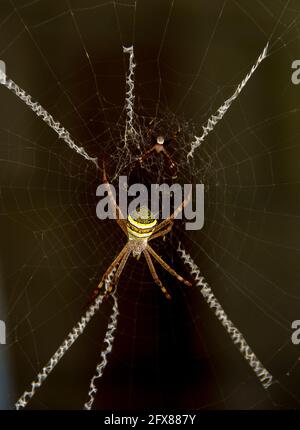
point(189, 59)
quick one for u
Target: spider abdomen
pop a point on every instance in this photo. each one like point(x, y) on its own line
point(141, 224)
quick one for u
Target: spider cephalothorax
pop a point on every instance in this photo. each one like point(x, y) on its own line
point(140, 228)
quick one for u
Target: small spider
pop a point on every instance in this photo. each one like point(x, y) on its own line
point(159, 144)
point(140, 228)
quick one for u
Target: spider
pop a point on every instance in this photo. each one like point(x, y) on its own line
point(140, 228)
point(159, 144)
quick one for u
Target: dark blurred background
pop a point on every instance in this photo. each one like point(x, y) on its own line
point(190, 56)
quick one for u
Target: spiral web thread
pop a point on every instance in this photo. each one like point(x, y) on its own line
point(238, 339)
point(46, 117)
point(74, 334)
point(214, 119)
point(130, 97)
point(108, 340)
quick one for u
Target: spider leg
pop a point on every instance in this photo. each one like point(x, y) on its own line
point(177, 132)
point(170, 163)
point(150, 134)
point(152, 138)
point(167, 267)
point(154, 274)
point(145, 155)
point(119, 216)
point(163, 224)
point(117, 274)
point(96, 291)
point(173, 216)
point(160, 232)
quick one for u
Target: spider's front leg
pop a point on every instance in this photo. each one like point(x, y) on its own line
point(145, 155)
point(167, 224)
point(150, 136)
point(171, 165)
point(162, 231)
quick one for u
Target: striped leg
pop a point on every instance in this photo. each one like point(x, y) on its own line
point(167, 267)
point(119, 257)
point(154, 274)
point(118, 274)
point(162, 232)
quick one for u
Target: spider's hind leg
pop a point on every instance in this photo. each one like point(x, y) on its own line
point(120, 269)
point(154, 274)
point(167, 267)
point(97, 290)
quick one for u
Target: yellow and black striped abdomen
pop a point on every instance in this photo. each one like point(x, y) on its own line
point(141, 224)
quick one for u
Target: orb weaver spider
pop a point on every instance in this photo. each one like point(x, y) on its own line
point(159, 144)
point(140, 228)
